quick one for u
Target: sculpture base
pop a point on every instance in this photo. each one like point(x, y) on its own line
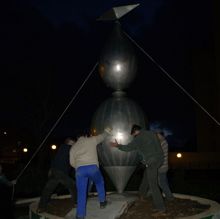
point(117, 205)
point(120, 204)
point(120, 175)
point(182, 207)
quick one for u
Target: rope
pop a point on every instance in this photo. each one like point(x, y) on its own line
point(173, 80)
point(58, 120)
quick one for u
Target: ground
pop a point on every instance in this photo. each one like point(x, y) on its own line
point(176, 208)
point(140, 209)
point(60, 207)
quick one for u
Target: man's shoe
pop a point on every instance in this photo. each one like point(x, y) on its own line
point(141, 198)
point(41, 210)
point(170, 199)
point(80, 217)
point(158, 213)
point(103, 204)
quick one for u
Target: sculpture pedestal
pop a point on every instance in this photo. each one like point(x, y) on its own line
point(212, 213)
point(118, 204)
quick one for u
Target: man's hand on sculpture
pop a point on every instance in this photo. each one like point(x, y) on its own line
point(114, 144)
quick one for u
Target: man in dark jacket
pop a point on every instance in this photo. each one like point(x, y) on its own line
point(162, 173)
point(6, 202)
point(148, 146)
point(59, 174)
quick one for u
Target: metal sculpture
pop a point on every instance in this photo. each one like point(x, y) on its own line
point(117, 67)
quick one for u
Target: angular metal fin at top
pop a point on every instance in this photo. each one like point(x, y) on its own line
point(117, 12)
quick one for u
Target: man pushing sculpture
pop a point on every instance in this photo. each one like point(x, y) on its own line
point(84, 158)
point(148, 146)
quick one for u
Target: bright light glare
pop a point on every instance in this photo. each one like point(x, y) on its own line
point(119, 137)
point(5, 133)
point(53, 147)
point(25, 150)
point(118, 67)
point(179, 155)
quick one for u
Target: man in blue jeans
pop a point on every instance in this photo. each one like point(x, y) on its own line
point(84, 158)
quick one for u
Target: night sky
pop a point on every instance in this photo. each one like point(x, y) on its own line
point(48, 48)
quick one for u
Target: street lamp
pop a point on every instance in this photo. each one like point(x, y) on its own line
point(179, 155)
point(25, 150)
point(53, 147)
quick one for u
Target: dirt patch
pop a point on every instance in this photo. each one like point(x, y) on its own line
point(59, 207)
point(139, 209)
point(175, 208)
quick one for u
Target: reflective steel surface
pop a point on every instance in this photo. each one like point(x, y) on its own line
point(117, 12)
point(117, 67)
point(120, 175)
point(120, 113)
point(118, 63)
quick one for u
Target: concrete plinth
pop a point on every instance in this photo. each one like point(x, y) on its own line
point(119, 204)
point(212, 213)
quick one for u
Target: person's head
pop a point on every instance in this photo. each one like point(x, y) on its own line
point(69, 141)
point(161, 133)
point(135, 130)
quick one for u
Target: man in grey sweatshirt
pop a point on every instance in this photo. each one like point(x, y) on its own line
point(148, 146)
point(162, 173)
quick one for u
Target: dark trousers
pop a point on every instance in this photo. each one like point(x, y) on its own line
point(57, 177)
point(164, 185)
point(150, 181)
point(6, 204)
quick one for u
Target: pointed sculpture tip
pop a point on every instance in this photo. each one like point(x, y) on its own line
point(117, 12)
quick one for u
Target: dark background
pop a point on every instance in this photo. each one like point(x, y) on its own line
point(47, 49)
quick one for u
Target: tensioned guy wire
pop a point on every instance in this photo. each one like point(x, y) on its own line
point(172, 79)
point(58, 120)
point(13, 192)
